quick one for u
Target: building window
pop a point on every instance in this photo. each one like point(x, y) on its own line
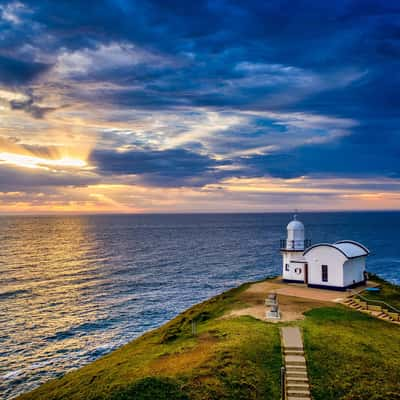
point(286, 267)
point(324, 270)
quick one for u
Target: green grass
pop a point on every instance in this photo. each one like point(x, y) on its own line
point(351, 356)
point(389, 293)
point(237, 358)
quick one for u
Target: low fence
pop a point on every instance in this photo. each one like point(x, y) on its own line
point(377, 305)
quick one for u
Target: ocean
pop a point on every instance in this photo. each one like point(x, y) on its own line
point(73, 288)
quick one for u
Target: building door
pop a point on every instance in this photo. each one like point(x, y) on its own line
point(324, 271)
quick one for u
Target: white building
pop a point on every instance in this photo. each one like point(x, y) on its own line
point(337, 266)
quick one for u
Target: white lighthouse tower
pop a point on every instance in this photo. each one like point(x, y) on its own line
point(294, 267)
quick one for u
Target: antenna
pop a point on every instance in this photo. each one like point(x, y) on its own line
point(296, 211)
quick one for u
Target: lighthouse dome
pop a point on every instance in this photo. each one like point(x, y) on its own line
point(295, 234)
point(295, 225)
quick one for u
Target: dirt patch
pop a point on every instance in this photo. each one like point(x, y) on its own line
point(293, 300)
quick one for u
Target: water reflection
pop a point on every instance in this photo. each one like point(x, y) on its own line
point(50, 295)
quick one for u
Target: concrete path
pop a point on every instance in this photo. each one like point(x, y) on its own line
point(297, 386)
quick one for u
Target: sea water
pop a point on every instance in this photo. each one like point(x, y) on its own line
point(73, 288)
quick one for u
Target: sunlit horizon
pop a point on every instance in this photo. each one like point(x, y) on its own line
point(181, 114)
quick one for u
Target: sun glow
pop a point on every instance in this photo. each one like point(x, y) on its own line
point(30, 161)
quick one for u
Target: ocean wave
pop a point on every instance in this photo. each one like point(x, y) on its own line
point(14, 293)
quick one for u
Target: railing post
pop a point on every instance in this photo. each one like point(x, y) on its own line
point(283, 383)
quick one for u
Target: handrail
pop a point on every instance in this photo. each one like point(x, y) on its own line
point(375, 301)
point(283, 383)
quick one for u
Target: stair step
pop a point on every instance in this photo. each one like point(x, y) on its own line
point(289, 357)
point(296, 369)
point(293, 348)
point(301, 367)
point(290, 351)
point(297, 379)
point(295, 363)
point(298, 398)
point(298, 386)
point(299, 393)
point(294, 353)
point(298, 376)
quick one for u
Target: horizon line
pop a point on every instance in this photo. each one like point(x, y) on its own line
point(78, 213)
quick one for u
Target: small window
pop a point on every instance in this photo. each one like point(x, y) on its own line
point(287, 267)
point(324, 270)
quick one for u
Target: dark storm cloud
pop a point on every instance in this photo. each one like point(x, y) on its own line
point(30, 180)
point(164, 168)
point(30, 107)
point(337, 58)
point(369, 151)
point(19, 72)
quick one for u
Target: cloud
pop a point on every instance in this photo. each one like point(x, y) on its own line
point(175, 167)
point(106, 61)
point(18, 72)
point(12, 12)
point(31, 108)
point(29, 180)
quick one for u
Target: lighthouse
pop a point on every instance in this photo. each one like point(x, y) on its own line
point(336, 266)
point(294, 267)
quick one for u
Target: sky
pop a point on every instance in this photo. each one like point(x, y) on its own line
point(199, 106)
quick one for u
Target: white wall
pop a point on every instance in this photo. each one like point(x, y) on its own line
point(354, 270)
point(288, 258)
point(325, 255)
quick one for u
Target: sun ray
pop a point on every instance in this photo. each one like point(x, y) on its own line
point(30, 161)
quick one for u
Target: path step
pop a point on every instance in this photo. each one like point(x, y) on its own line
point(297, 375)
point(296, 368)
point(295, 363)
point(294, 358)
point(298, 386)
point(298, 398)
point(294, 352)
point(297, 379)
point(299, 393)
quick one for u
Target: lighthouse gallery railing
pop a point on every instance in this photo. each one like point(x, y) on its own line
point(295, 244)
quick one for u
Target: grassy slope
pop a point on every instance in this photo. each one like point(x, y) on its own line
point(350, 356)
point(235, 358)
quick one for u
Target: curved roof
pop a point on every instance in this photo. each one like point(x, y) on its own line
point(349, 248)
point(352, 248)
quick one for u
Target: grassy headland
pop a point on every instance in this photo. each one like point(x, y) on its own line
point(350, 355)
